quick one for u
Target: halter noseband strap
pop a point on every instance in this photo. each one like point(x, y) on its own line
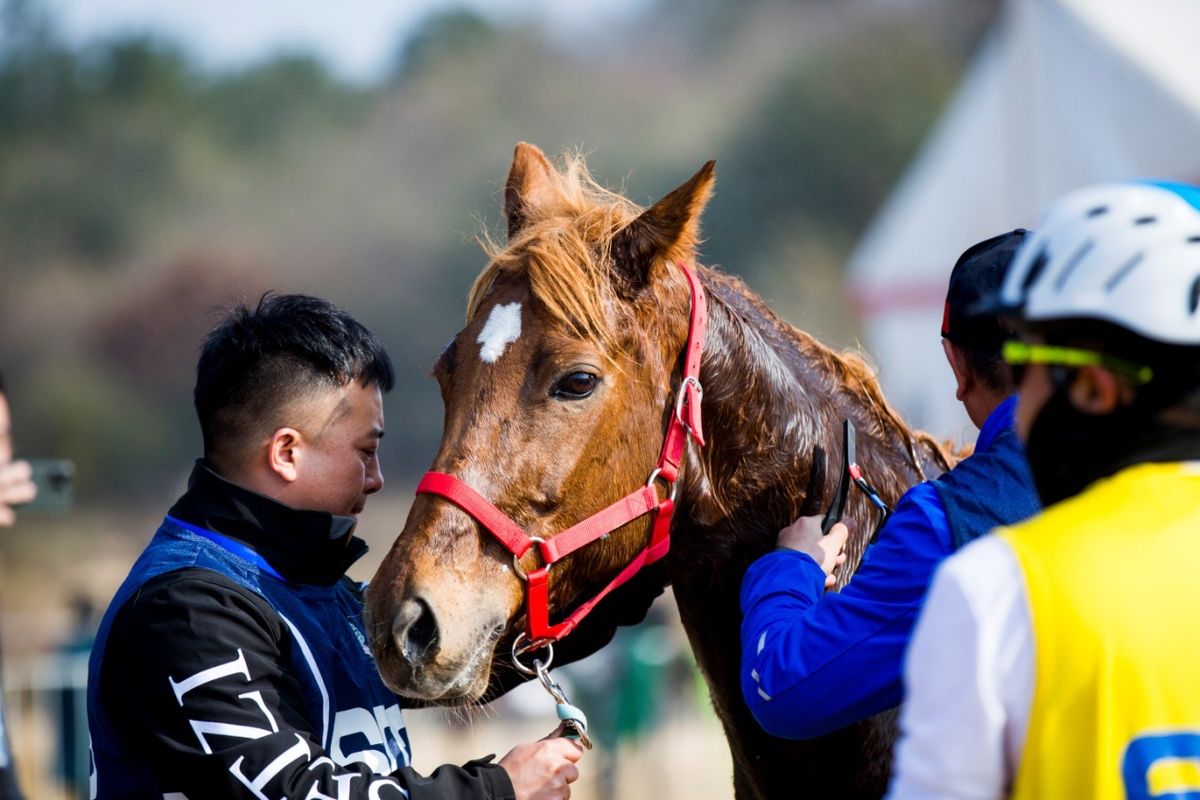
point(685, 422)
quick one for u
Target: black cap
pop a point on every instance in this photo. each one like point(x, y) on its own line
point(974, 285)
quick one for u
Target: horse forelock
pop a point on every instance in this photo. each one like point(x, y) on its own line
point(563, 250)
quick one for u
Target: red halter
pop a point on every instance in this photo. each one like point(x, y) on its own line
point(684, 422)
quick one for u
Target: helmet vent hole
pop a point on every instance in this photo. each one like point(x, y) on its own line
point(1145, 220)
point(1194, 300)
point(1120, 274)
point(1076, 257)
point(1035, 271)
point(1097, 211)
point(1194, 239)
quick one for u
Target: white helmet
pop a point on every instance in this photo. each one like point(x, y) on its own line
point(1124, 253)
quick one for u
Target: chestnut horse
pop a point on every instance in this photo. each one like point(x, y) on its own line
point(557, 394)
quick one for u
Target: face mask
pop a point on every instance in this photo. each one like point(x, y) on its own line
point(1069, 450)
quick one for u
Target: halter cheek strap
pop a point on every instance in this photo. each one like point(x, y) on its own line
point(685, 422)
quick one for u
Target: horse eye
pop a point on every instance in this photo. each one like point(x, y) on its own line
point(575, 386)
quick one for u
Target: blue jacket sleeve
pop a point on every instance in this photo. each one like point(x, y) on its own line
point(813, 662)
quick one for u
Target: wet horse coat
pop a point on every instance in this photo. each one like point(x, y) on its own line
point(558, 392)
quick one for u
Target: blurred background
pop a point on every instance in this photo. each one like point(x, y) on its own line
point(159, 161)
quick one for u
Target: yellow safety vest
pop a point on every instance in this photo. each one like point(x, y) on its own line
point(1113, 580)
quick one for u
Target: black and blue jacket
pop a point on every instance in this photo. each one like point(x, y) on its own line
point(813, 662)
point(233, 662)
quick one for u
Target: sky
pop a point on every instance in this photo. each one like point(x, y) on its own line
point(357, 37)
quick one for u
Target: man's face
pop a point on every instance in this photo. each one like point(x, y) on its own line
point(339, 466)
point(1035, 390)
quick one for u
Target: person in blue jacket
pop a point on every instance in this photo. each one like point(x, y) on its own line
point(814, 662)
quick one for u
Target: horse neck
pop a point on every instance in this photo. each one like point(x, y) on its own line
point(774, 401)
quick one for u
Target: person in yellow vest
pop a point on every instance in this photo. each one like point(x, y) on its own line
point(1060, 658)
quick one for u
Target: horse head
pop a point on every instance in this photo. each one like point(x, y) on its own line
point(557, 393)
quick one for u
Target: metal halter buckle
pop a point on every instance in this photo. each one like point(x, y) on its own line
point(574, 721)
point(681, 396)
point(517, 568)
point(519, 650)
point(549, 684)
point(671, 485)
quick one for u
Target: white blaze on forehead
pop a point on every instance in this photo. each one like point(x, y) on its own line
point(503, 327)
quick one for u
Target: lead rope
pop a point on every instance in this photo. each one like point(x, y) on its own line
point(572, 717)
point(574, 721)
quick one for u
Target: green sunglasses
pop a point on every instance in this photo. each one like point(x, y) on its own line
point(1017, 354)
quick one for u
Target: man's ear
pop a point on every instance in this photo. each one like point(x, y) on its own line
point(1097, 391)
point(963, 376)
point(284, 452)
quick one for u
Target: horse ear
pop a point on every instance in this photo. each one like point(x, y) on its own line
point(529, 184)
point(669, 230)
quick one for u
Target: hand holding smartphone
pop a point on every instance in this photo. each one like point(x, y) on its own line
point(16, 487)
point(53, 480)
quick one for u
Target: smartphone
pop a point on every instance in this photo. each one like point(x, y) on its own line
point(55, 480)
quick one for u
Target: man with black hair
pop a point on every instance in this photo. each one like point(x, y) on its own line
point(1057, 658)
point(814, 662)
point(233, 661)
point(16, 487)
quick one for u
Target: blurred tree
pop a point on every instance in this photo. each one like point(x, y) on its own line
point(829, 140)
point(128, 176)
point(88, 142)
point(151, 334)
point(138, 71)
point(38, 93)
point(442, 35)
point(117, 436)
point(254, 109)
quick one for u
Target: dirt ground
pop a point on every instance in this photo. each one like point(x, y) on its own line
point(684, 758)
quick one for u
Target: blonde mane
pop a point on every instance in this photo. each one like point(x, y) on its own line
point(563, 249)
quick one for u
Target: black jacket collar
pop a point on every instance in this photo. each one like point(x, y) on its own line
point(313, 547)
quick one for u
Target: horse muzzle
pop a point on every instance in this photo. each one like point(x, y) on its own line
point(432, 656)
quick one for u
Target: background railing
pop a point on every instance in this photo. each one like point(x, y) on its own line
point(656, 736)
point(45, 697)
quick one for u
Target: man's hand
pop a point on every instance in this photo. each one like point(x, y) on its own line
point(826, 549)
point(543, 770)
point(16, 487)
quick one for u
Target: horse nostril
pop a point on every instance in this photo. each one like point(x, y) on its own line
point(416, 631)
